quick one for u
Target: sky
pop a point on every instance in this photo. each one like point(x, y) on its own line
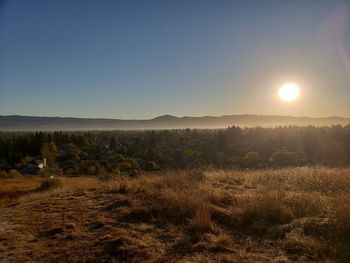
point(141, 59)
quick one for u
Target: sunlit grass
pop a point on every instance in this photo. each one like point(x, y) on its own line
point(302, 214)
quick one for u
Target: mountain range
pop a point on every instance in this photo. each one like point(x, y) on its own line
point(33, 123)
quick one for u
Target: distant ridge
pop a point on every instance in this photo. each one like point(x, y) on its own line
point(34, 123)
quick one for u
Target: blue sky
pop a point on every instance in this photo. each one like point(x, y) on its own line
point(142, 59)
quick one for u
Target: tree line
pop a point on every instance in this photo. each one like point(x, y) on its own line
point(103, 152)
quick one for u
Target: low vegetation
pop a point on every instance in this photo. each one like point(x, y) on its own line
point(50, 184)
point(10, 174)
point(285, 215)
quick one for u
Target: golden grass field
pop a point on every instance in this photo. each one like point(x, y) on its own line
point(286, 215)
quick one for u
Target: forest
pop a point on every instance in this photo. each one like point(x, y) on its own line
point(128, 152)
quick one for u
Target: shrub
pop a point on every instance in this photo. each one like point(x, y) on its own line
point(106, 165)
point(91, 169)
point(3, 174)
point(151, 166)
point(13, 173)
point(101, 171)
point(50, 184)
point(116, 170)
point(130, 167)
point(125, 166)
point(71, 171)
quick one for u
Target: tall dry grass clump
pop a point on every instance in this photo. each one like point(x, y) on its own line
point(305, 208)
point(264, 209)
point(172, 198)
point(180, 197)
point(201, 222)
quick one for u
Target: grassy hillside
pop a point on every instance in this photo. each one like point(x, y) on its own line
point(287, 215)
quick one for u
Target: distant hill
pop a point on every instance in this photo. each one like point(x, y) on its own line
point(30, 123)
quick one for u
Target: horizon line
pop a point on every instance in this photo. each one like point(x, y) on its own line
point(178, 117)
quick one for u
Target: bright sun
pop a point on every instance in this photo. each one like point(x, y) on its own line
point(289, 92)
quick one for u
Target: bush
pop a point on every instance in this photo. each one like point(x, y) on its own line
point(106, 165)
point(13, 173)
point(91, 169)
point(130, 167)
point(72, 171)
point(101, 171)
point(151, 166)
point(116, 170)
point(50, 184)
point(3, 174)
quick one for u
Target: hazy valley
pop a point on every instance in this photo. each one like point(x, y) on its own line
point(28, 123)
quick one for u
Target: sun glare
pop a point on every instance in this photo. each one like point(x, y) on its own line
point(289, 92)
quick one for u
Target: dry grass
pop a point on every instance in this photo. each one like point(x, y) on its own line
point(288, 215)
point(12, 188)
